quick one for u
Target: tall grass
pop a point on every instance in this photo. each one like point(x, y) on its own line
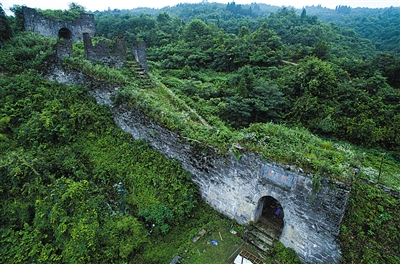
point(273, 142)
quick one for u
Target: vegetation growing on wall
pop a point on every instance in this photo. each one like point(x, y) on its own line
point(260, 83)
point(369, 232)
point(74, 12)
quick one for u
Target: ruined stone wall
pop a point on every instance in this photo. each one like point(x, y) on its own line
point(36, 22)
point(63, 49)
point(235, 186)
point(139, 51)
point(111, 52)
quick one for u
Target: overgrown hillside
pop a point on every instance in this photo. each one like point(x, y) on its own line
point(262, 83)
point(62, 162)
point(281, 68)
point(379, 24)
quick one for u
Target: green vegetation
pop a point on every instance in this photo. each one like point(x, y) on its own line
point(337, 85)
point(289, 87)
point(62, 159)
point(73, 13)
point(242, 95)
point(370, 230)
point(5, 27)
point(378, 25)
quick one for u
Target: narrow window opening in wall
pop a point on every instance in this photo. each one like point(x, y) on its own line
point(64, 33)
point(270, 217)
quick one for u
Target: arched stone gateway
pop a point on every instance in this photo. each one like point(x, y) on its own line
point(269, 207)
point(270, 216)
point(236, 187)
point(64, 33)
point(35, 21)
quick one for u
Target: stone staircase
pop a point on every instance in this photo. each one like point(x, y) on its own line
point(139, 72)
point(265, 232)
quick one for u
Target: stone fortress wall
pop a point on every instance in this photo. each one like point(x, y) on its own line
point(52, 28)
point(236, 187)
point(110, 52)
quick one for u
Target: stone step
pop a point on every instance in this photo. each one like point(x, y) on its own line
point(270, 227)
point(259, 244)
point(265, 238)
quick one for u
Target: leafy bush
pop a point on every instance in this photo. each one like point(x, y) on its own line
point(58, 169)
point(157, 218)
point(369, 232)
point(284, 255)
point(73, 13)
point(25, 51)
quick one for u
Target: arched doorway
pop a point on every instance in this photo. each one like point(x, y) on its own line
point(64, 33)
point(270, 216)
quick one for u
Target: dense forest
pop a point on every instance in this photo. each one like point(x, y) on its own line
point(341, 87)
point(75, 188)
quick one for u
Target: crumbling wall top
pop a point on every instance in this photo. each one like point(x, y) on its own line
point(139, 51)
point(109, 52)
point(36, 22)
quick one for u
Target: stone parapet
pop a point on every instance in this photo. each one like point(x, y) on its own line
point(53, 28)
point(109, 52)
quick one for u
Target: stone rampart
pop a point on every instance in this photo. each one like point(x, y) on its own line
point(53, 28)
point(236, 186)
point(63, 48)
point(139, 51)
point(109, 52)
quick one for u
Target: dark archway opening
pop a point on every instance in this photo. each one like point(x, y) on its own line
point(270, 216)
point(65, 33)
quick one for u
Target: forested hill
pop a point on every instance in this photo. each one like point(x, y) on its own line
point(337, 84)
point(380, 25)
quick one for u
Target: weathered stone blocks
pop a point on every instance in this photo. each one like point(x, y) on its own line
point(235, 188)
point(53, 28)
point(108, 52)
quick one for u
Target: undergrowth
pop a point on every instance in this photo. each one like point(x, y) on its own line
point(370, 229)
point(273, 142)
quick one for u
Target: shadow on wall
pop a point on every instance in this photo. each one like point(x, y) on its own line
point(270, 213)
point(65, 33)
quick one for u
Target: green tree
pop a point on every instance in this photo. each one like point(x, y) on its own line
point(158, 218)
point(268, 101)
point(303, 15)
point(267, 47)
point(196, 31)
point(76, 7)
point(235, 110)
point(244, 79)
point(321, 50)
point(5, 28)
